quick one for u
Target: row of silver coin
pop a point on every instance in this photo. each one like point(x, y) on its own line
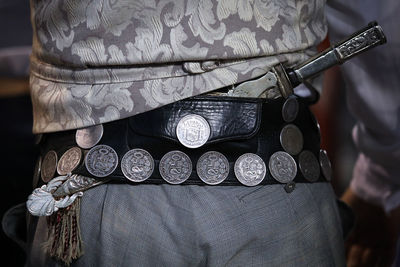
point(291, 140)
point(175, 167)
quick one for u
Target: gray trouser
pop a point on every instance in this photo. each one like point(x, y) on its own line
point(169, 225)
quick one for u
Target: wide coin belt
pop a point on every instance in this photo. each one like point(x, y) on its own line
point(202, 140)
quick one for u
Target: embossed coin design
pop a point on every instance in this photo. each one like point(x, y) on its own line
point(137, 165)
point(175, 167)
point(49, 166)
point(89, 137)
point(101, 160)
point(250, 169)
point(69, 161)
point(36, 172)
point(325, 164)
point(290, 109)
point(212, 167)
point(291, 139)
point(282, 167)
point(309, 166)
point(193, 131)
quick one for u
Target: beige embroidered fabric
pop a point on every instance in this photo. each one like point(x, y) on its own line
point(96, 61)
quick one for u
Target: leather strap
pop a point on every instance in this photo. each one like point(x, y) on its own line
point(238, 126)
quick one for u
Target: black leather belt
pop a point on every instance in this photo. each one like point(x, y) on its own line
point(238, 126)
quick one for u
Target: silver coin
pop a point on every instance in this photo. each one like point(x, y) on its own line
point(36, 172)
point(282, 167)
point(101, 160)
point(250, 169)
point(69, 161)
point(49, 166)
point(193, 131)
point(309, 166)
point(325, 164)
point(175, 167)
point(290, 109)
point(291, 139)
point(89, 137)
point(212, 167)
point(137, 165)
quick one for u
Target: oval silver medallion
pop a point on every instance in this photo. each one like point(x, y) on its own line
point(325, 164)
point(101, 160)
point(69, 161)
point(290, 109)
point(49, 166)
point(309, 166)
point(212, 167)
point(250, 169)
point(291, 139)
point(89, 137)
point(137, 165)
point(36, 172)
point(282, 167)
point(175, 167)
point(193, 131)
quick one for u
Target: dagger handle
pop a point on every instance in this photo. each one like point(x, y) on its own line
point(359, 42)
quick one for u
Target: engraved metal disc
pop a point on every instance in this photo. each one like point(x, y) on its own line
point(193, 131)
point(137, 165)
point(212, 167)
point(309, 166)
point(101, 160)
point(175, 167)
point(282, 167)
point(290, 109)
point(36, 172)
point(49, 166)
point(250, 169)
point(325, 164)
point(89, 137)
point(291, 139)
point(69, 161)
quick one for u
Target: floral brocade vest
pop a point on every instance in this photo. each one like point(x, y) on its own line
point(96, 61)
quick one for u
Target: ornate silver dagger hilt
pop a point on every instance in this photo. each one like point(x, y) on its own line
point(359, 42)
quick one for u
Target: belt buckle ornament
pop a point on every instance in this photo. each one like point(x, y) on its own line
point(193, 131)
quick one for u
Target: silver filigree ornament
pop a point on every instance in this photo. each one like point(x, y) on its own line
point(60, 192)
point(42, 202)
